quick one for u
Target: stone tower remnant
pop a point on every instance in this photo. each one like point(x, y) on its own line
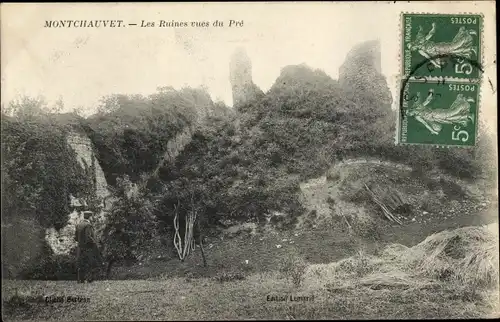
point(243, 88)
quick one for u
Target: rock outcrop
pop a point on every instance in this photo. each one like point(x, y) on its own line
point(62, 241)
point(82, 145)
point(177, 144)
point(240, 68)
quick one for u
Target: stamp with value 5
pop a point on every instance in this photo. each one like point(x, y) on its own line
point(442, 46)
point(433, 113)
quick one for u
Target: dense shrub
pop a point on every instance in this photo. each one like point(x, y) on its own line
point(39, 169)
point(131, 222)
point(131, 132)
point(251, 164)
point(226, 276)
point(22, 244)
point(53, 268)
point(293, 267)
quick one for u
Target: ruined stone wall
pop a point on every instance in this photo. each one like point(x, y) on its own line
point(363, 55)
point(360, 74)
point(243, 87)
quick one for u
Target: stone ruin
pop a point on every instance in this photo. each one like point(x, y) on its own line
point(243, 87)
point(361, 72)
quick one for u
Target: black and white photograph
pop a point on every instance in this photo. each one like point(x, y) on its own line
point(249, 161)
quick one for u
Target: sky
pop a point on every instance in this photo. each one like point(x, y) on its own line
point(79, 66)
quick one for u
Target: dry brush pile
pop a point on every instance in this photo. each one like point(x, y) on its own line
point(465, 257)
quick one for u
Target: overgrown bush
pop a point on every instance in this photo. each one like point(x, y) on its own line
point(43, 264)
point(366, 227)
point(22, 244)
point(252, 165)
point(132, 132)
point(53, 268)
point(131, 222)
point(39, 170)
point(293, 267)
point(226, 276)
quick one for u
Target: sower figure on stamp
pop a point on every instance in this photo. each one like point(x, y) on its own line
point(88, 255)
point(460, 46)
point(434, 118)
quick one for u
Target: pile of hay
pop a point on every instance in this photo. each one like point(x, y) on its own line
point(396, 280)
point(468, 255)
point(343, 274)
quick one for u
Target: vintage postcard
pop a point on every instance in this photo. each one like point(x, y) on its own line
point(237, 161)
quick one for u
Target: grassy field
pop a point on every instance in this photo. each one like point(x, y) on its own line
point(176, 299)
point(396, 283)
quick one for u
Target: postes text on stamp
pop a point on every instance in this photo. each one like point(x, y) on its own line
point(442, 46)
point(433, 113)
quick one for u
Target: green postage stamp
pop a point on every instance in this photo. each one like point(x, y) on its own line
point(439, 114)
point(442, 45)
point(441, 79)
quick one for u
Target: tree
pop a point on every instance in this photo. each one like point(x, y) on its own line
point(186, 245)
point(183, 209)
point(27, 108)
point(131, 222)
